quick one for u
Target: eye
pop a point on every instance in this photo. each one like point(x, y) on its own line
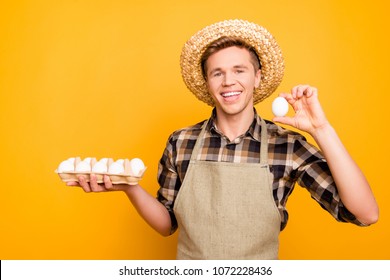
point(217, 74)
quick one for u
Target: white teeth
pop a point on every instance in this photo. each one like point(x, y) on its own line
point(228, 94)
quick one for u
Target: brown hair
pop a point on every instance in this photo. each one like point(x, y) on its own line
point(226, 42)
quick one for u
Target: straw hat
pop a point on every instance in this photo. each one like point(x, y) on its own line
point(267, 49)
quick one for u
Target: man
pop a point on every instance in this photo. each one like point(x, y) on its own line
point(224, 182)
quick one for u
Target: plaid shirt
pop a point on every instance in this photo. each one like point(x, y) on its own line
point(291, 159)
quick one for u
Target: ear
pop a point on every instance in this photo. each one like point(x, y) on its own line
point(207, 84)
point(257, 78)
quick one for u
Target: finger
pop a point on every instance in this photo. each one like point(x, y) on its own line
point(290, 99)
point(311, 91)
point(107, 182)
point(73, 184)
point(285, 95)
point(84, 184)
point(303, 90)
point(295, 91)
point(284, 120)
point(95, 187)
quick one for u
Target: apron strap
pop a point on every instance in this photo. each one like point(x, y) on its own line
point(264, 144)
point(198, 142)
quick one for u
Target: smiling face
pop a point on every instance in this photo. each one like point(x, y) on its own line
point(231, 79)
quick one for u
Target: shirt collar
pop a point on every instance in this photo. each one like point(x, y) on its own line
point(253, 131)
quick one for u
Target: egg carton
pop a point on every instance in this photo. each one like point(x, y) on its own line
point(121, 171)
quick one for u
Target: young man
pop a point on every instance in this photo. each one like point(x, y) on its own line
point(224, 182)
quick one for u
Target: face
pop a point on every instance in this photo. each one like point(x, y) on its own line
point(231, 80)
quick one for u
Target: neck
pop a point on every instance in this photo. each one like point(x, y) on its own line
point(233, 126)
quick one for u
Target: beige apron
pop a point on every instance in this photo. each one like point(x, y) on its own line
point(227, 210)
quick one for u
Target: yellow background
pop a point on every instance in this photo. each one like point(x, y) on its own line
point(102, 79)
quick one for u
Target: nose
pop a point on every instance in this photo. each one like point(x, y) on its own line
point(228, 80)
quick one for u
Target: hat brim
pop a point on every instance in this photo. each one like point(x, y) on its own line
point(266, 47)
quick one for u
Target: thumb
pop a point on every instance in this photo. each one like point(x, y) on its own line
point(284, 120)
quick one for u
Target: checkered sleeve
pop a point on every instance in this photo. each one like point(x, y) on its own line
point(168, 180)
point(313, 174)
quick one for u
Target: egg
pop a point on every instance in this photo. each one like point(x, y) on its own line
point(100, 167)
point(116, 168)
point(136, 167)
point(66, 166)
point(88, 160)
point(280, 107)
point(104, 160)
point(83, 166)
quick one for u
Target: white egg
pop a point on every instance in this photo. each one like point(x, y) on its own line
point(83, 166)
point(104, 160)
point(280, 107)
point(66, 166)
point(120, 161)
point(116, 168)
point(136, 166)
point(99, 167)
